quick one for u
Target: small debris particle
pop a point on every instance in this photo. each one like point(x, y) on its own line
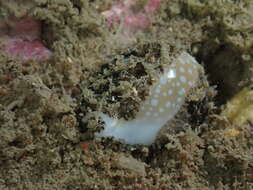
point(130, 164)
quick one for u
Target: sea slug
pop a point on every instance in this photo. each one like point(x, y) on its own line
point(166, 97)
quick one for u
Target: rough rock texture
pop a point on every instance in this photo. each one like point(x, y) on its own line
point(47, 121)
point(20, 38)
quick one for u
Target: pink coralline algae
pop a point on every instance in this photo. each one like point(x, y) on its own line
point(127, 13)
point(26, 28)
point(22, 39)
point(27, 50)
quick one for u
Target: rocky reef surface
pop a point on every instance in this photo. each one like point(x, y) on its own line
point(63, 61)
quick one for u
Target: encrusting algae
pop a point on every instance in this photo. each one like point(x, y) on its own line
point(166, 97)
point(239, 109)
point(47, 109)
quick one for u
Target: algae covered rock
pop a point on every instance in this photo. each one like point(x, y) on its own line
point(239, 110)
point(33, 94)
point(47, 110)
